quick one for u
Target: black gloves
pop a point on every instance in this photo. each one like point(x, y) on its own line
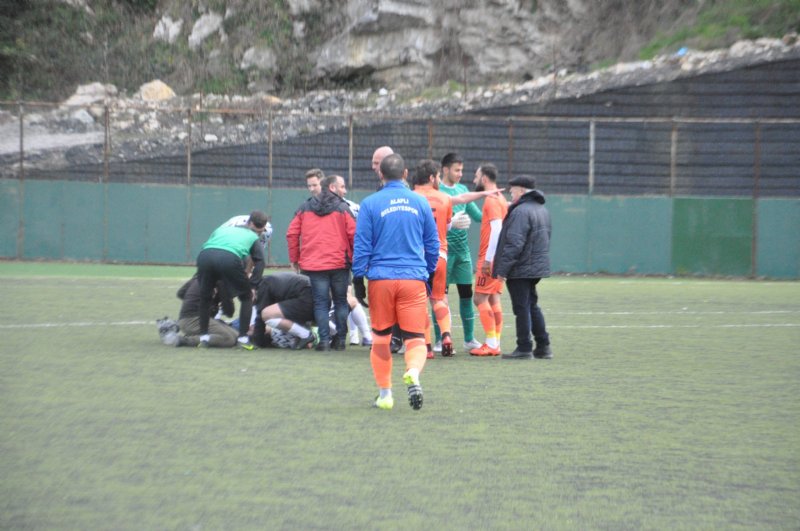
point(429, 283)
point(360, 290)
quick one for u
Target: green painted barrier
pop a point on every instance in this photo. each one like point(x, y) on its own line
point(712, 236)
point(778, 247)
point(10, 200)
point(145, 223)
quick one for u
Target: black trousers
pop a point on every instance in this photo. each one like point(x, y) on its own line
point(214, 265)
point(529, 317)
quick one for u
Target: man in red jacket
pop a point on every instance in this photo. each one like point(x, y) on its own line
point(320, 240)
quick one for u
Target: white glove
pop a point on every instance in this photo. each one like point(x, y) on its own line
point(460, 221)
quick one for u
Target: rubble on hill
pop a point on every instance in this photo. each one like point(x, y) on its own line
point(156, 122)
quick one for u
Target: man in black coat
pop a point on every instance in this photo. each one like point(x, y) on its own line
point(522, 260)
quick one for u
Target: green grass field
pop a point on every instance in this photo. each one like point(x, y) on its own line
point(670, 403)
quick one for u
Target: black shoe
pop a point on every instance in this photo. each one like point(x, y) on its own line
point(323, 347)
point(304, 342)
point(518, 355)
point(447, 346)
point(543, 352)
point(338, 345)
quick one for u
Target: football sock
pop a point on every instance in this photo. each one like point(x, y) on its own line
point(384, 393)
point(487, 318)
point(498, 319)
point(467, 318)
point(205, 337)
point(416, 354)
point(360, 320)
point(442, 314)
point(437, 332)
point(300, 331)
point(380, 357)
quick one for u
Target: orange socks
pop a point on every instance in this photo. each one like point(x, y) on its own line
point(487, 318)
point(497, 310)
point(416, 353)
point(442, 313)
point(380, 356)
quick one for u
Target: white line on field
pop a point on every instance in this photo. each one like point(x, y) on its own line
point(73, 325)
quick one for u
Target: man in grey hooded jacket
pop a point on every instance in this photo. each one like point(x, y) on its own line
point(522, 260)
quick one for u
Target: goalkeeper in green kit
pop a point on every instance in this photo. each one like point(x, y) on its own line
point(459, 262)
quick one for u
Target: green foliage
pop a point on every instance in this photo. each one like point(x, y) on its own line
point(141, 5)
point(670, 404)
point(721, 23)
point(233, 83)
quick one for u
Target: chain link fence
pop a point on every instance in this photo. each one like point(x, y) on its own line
point(262, 148)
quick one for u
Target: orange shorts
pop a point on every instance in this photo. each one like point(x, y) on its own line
point(404, 302)
point(486, 284)
point(439, 286)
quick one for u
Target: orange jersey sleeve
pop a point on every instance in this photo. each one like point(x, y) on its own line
point(494, 207)
point(442, 212)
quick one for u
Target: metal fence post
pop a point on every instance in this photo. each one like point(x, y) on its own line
point(21, 141)
point(592, 138)
point(756, 194)
point(510, 165)
point(189, 146)
point(189, 184)
point(269, 147)
point(21, 221)
point(673, 158)
point(105, 177)
point(106, 141)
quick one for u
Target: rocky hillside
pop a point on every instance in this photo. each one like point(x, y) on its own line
point(286, 47)
point(153, 121)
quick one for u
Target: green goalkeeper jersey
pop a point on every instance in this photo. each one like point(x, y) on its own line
point(457, 238)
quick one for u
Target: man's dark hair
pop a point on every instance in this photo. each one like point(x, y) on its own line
point(326, 183)
point(392, 167)
point(490, 171)
point(315, 172)
point(450, 159)
point(258, 219)
point(424, 171)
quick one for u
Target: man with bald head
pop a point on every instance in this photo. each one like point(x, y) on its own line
point(396, 248)
point(377, 158)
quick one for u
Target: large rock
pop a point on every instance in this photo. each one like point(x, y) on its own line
point(155, 90)
point(91, 93)
point(393, 42)
point(258, 57)
point(205, 26)
point(417, 42)
point(168, 29)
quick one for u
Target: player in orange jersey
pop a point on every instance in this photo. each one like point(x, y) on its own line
point(488, 289)
point(426, 183)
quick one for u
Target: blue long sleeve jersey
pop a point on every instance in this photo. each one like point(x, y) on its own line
point(396, 236)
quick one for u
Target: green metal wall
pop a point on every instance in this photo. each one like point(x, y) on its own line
point(144, 223)
point(778, 242)
point(712, 236)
